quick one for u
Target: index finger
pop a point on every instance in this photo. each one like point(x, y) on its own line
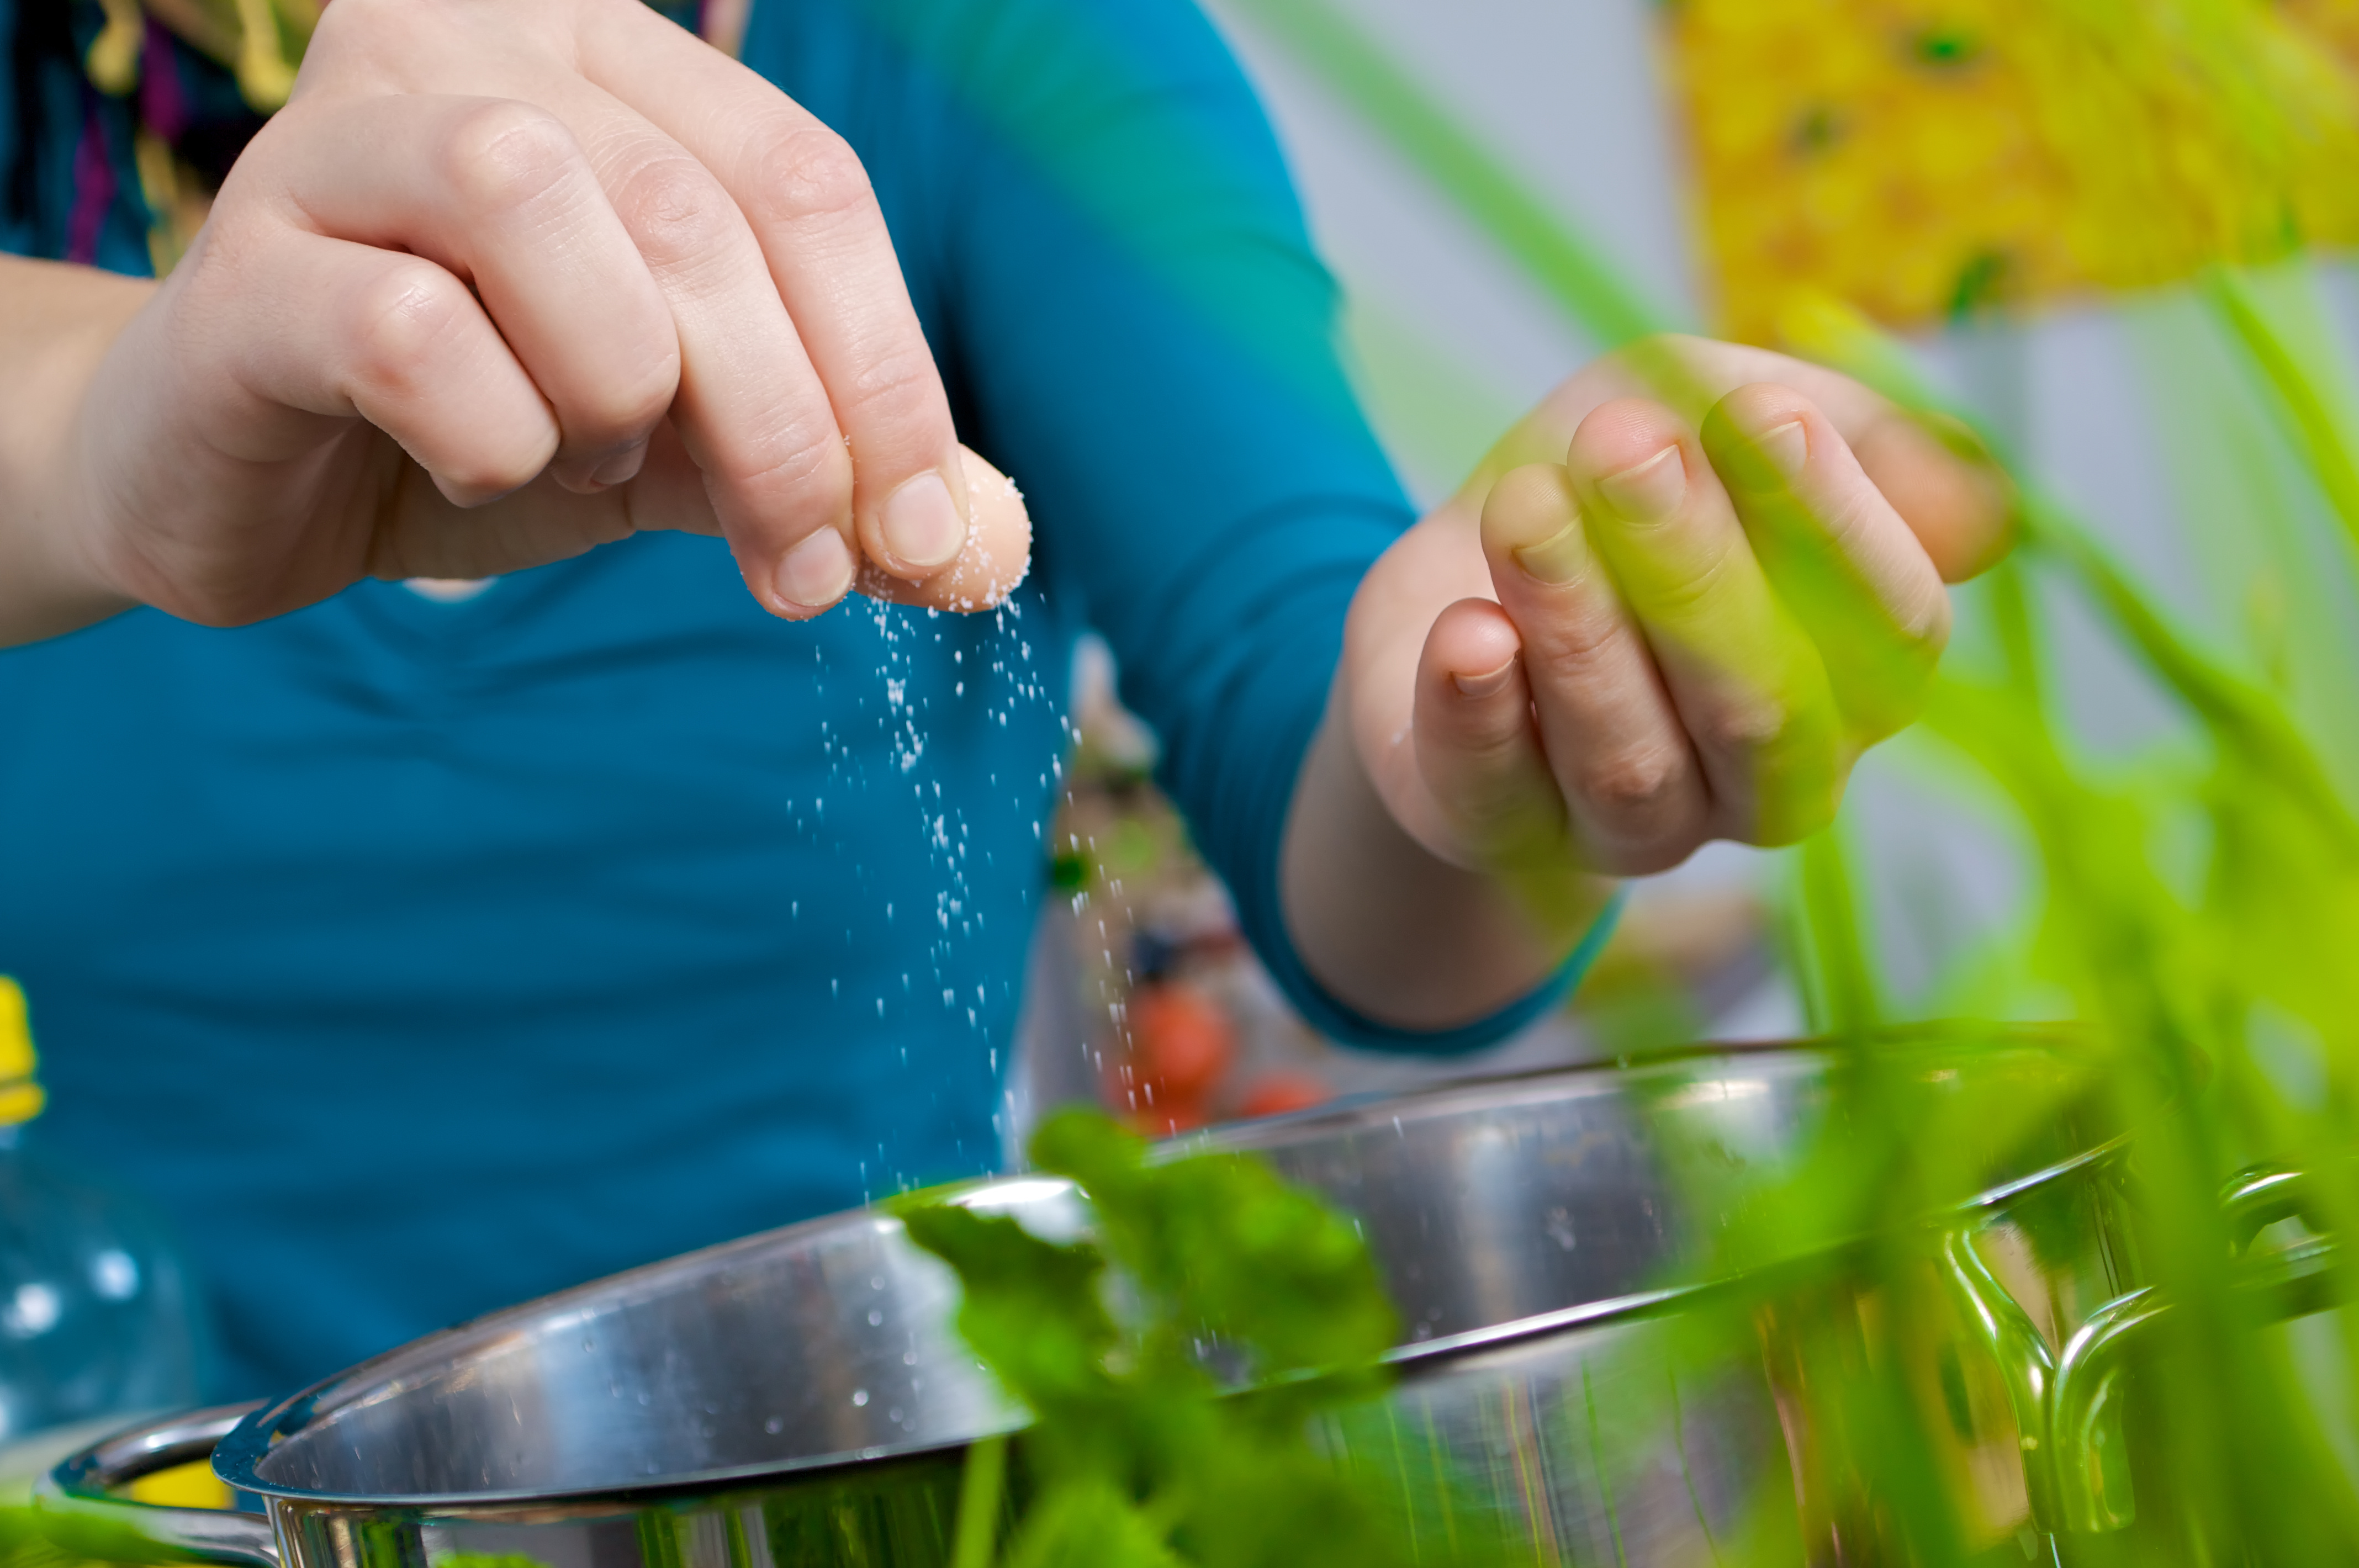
point(1748, 683)
point(1836, 552)
point(811, 209)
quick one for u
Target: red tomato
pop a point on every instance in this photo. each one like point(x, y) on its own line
point(1181, 1040)
point(1275, 1094)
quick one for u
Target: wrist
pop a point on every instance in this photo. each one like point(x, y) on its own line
point(58, 324)
point(1399, 933)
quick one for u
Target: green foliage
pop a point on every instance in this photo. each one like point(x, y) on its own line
point(2217, 974)
point(1141, 1456)
point(42, 1537)
point(2194, 908)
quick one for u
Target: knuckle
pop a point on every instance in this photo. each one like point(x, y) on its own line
point(626, 419)
point(1849, 522)
point(1573, 647)
point(408, 326)
point(1753, 725)
point(805, 171)
point(1500, 807)
point(487, 467)
point(1494, 747)
point(898, 384)
point(1687, 591)
point(676, 212)
point(802, 466)
point(1637, 785)
point(623, 408)
point(400, 321)
point(502, 157)
point(490, 474)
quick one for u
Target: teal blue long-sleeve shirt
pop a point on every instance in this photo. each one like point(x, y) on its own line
point(423, 956)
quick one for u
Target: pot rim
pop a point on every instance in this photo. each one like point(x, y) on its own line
point(239, 1453)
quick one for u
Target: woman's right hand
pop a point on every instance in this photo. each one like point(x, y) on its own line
point(498, 284)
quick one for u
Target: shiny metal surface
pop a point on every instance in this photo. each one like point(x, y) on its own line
point(800, 1397)
point(826, 1342)
point(1487, 1206)
point(80, 1485)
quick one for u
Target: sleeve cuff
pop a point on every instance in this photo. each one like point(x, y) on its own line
point(1347, 1026)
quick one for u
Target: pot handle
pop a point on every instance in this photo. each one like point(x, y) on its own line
point(2091, 1465)
point(2067, 1407)
point(77, 1488)
point(2025, 1362)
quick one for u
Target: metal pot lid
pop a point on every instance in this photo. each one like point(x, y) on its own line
point(1497, 1209)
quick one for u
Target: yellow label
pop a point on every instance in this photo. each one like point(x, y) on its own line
point(21, 1101)
point(16, 1032)
point(190, 1486)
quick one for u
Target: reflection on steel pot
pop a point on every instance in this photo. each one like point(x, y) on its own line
point(801, 1399)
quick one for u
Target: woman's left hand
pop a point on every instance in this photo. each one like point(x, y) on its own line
point(1675, 604)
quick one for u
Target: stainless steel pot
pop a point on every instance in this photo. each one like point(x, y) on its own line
point(799, 1399)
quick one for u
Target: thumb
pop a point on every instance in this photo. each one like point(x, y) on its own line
point(1477, 749)
point(998, 555)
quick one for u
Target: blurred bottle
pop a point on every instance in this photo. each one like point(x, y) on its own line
point(97, 1312)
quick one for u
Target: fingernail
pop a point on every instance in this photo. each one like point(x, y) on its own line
point(622, 467)
point(1787, 446)
point(1487, 683)
point(921, 526)
point(1647, 492)
point(816, 571)
point(1559, 559)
